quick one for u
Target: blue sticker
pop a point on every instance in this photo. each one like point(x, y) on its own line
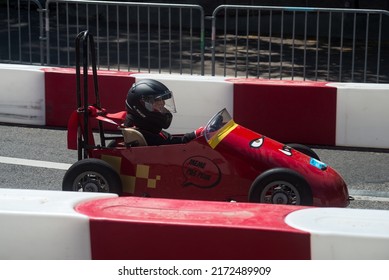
point(318, 164)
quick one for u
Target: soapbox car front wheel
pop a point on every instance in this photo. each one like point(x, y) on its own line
point(305, 150)
point(281, 186)
point(92, 175)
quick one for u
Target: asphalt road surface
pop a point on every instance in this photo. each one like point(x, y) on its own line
point(37, 158)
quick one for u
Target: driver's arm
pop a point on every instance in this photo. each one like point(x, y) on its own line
point(192, 135)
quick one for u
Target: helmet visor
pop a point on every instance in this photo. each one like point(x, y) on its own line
point(161, 103)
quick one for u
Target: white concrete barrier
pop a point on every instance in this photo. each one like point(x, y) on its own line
point(44, 225)
point(197, 98)
point(362, 115)
point(344, 234)
point(22, 94)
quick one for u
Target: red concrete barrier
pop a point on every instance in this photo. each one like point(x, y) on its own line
point(61, 99)
point(288, 111)
point(144, 228)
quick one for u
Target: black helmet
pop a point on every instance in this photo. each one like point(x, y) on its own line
point(149, 104)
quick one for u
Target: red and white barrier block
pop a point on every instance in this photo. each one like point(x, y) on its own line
point(70, 225)
point(306, 112)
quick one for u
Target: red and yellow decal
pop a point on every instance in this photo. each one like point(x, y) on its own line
point(129, 182)
point(222, 133)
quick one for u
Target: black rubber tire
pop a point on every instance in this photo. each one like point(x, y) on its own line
point(281, 186)
point(92, 175)
point(305, 150)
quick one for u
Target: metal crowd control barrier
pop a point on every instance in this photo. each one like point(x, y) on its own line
point(129, 36)
point(300, 43)
point(21, 32)
point(292, 43)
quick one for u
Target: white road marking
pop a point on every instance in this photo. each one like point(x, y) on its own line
point(371, 198)
point(35, 163)
point(369, 195)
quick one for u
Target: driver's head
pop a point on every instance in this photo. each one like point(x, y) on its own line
point(150, 104)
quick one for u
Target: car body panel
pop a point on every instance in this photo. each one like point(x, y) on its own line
point(220, 165)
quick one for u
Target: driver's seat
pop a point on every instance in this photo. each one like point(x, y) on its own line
point(133, 137)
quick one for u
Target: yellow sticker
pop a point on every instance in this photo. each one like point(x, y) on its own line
point(114, 161)
point(142, 171)
point(219, 136)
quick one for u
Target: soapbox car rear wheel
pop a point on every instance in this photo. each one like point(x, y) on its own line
point(305, 150)
point(281, 186)
point(92, 175)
